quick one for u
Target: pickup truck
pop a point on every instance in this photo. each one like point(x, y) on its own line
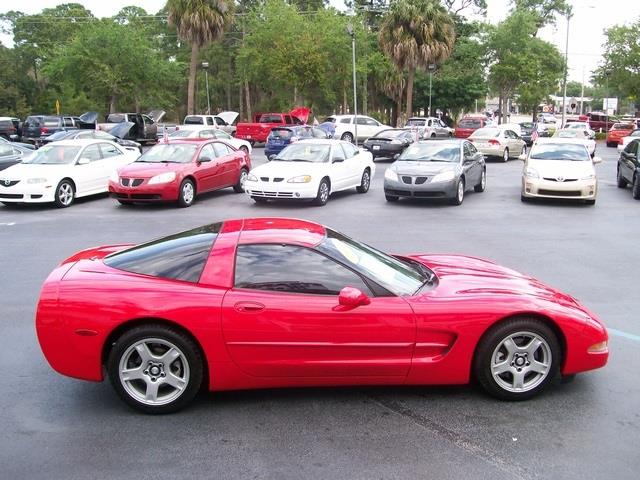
point(259, 130)
point(139, 127)
point(36, 128)
point(223, 120)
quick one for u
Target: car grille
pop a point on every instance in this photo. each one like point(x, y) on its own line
point(560, 193)
point(561, 179)
point(407, 180)
point(274, 179)
point(9, 183)
point(414, 180)
point(421, 180)
point(11, 195)
point(398, 193)
point(262, 193)
point(133, 182)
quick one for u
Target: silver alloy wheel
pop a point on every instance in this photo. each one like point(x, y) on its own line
point(483, 179)
point(324, 192)
point(187, 192)
point(365, 181)
point(460, 191)
point(521, 362)
point(505, 155)
point(524, 150)
point(243, 177)
point(347, 137)
point(65, 194)
point(154, 371)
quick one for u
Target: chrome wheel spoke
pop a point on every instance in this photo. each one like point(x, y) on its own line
point(538, 367)
point(534, 345)
point(151, 394)
point(144, 352)
point(518, 380)
point(510, 345)
point(133, 374)
point(175, 381)
point(169, 357)
point(500, 368)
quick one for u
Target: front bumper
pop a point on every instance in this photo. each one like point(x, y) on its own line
point(407, 186)
point(571, 190)
point(164, 192)
point(281, 189)
point(23, 192)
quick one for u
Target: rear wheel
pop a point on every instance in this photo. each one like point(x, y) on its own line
point(65, 194)
point(517, 359)
point(239, 187)
point(621, 182)
point(323, 193)
point(347, 137)
point(186, 194)
point(364, 182)
point(155, 369)
point(480, 187)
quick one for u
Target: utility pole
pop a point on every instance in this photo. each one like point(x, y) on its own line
point(566, 71)
point(205, 67)
point(352, 32)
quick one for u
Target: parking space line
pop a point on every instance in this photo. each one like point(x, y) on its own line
point(7, 224)
point(620, 333)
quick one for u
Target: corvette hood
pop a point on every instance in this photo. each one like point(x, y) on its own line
point(148, 170)
point(278, 168)
point(561, 168)
point(462, 275)
point(421, 168)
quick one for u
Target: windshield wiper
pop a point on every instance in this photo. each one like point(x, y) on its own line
point(299, 160)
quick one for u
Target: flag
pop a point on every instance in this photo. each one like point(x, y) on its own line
point(534, 133)
point(315, 122)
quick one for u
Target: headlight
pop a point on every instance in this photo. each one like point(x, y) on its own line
point(444, 176)
point(390, 175)
point(163, 178)
point(531, 173)
point(300, 179)
point(37, 180)
point(252, 178)
point(588, 177)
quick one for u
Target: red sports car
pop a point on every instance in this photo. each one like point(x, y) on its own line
point(177, 170)
point(271, 302)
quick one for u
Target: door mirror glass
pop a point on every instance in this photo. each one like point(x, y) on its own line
point(352, 297)
point(204, 159)
point(83, 161)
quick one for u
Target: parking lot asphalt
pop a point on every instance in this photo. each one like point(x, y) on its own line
point(55, 427)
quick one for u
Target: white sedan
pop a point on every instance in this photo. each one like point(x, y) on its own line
point(576, 135)
point(208, 131)
point(626, 140)
point(582, 126)
point(311, 169)
point(62, 171)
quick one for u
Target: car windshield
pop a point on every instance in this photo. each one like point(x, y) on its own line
point(486, 132)
point(416, 122)
point(60, 135)
point(431, 152)
point(568, 134)
point(54, 155)
point(392, 133)
point(560, 151)
point(396, 276)
point(169, 153)
point(305, 152)
point(470, 123)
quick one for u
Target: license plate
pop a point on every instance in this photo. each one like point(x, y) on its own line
point(376, 147)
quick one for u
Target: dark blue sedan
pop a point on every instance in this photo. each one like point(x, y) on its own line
point(280, 137)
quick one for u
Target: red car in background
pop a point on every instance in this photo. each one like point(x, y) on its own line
point(617, 132)
point(468, 125)
point(280, 302)
point(178, 170)
point(259, 129)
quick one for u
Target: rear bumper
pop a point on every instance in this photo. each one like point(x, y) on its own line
point(384, 150)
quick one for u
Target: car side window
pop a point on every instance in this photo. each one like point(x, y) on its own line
point(467, 151)
point(345, 120)
point(472, 149)
point(349, 149)
point(292, 269)
point(362, 121)
point(147, 120)
point(287, 119)
point(109, 150)
point(221, 134)
point(221, 149)
point(319, 133)
point(209, 121)
point(219, 121)
point(92, 153)
point(632, 148)
point(338, 153)
point(207, 151)
point(371, 122)
point(67, 122)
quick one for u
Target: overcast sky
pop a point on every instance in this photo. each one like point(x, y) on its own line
point(590, 18)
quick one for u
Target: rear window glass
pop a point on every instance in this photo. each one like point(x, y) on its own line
point(283, 133)
point(116, 118)
point(51, 121)
point(32, 122)
point(6, 124)
point(270, 119)
point(179, 257)
point(416, 122)
point(470, 123)
point(622, 126)
point(193, 120)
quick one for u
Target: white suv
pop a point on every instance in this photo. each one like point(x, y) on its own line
point(345, 127)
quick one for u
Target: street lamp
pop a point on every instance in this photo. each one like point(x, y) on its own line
point(431, 68)
point(205, 67)
point(566, 70)
point(352, 32)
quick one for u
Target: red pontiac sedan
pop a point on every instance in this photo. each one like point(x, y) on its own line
point(273, 302)
point(617, 132)
point(178, 170)
point(468, 125)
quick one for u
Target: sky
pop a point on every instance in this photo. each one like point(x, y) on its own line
point(590, 18)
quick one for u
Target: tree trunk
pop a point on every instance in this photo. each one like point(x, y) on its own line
point(295, 95)
point(344, 99)
point(112, 103)
point(248, 99)
point(500, 109)
point(240, 103)
point(193, 69)
point(412, 74)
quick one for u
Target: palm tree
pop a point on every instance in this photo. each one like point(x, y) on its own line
point(199, 22)
point(415, 34)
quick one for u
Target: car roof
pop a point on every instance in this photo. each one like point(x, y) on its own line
point(451, 141)
point(322, 141)
point(80, 142)
point(279, 230)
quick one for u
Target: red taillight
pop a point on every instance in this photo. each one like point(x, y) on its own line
point(43, 130)
point(493, 142)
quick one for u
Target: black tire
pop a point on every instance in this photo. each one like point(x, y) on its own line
point(243, 176)
point(125, 202)
point(190, 364)
point(635, 187)
point(391, 198)
point(324, 190)
point(620, 180)
point(244, 149)
point(65, 194)
point(347, 137)
point(458, 197)
point(491, 348)
point(259, 200)
point(524, 199)
point(184, 198)
point(590, 202)
point(505, 155)
point(365, 182)
point(609, 144)
point(480, 187)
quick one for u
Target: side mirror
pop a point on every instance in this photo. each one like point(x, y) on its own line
point(352, 297)
point(204, 159)
point(337, 160)
point(83, 161)
point(597, 159)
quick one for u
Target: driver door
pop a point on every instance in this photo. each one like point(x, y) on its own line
point(282, 319)
point(340, 169)
point(88, 176)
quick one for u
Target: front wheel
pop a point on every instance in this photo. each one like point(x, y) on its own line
point(65, 194)
point(459, 194)
point(155, 369)
point(239, 187)
point(245, 149)
point(480, 187)
point(323, 193)
point(621, 182)
point(364, 182)
point(517, 359)
point(187, 193)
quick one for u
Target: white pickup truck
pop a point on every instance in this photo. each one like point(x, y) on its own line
point(223, 120)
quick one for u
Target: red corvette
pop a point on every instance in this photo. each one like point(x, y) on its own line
point(273, 302)
point(178, 170)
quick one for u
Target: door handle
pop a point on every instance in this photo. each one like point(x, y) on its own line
point(248, 307)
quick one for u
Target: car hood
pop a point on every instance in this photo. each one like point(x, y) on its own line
point(301, 113)
point(32, 170)
point(421, 168)
point(277, 168)
point(148, 170)
point(156, 115)
point(122, 129)
point(228, 117)
point(462, 275)
point(561, 168)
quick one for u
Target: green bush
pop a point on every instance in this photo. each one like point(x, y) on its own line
point(601, 135)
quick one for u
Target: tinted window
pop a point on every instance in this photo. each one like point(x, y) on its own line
point(193, 121)
point(180, 257)
point(109, 150)
point(470, 123)
point(283, 133)
point(286, 268)
point(32, 122)
point(92, 152)
point(345, 120)
point(221, 149)
point(51, 121)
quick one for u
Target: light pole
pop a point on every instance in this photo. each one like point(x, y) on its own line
point(566, 70)
point(431, 69)
point(205, 67)
point(352, 32)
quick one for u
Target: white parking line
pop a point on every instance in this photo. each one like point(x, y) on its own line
point(7, 224)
